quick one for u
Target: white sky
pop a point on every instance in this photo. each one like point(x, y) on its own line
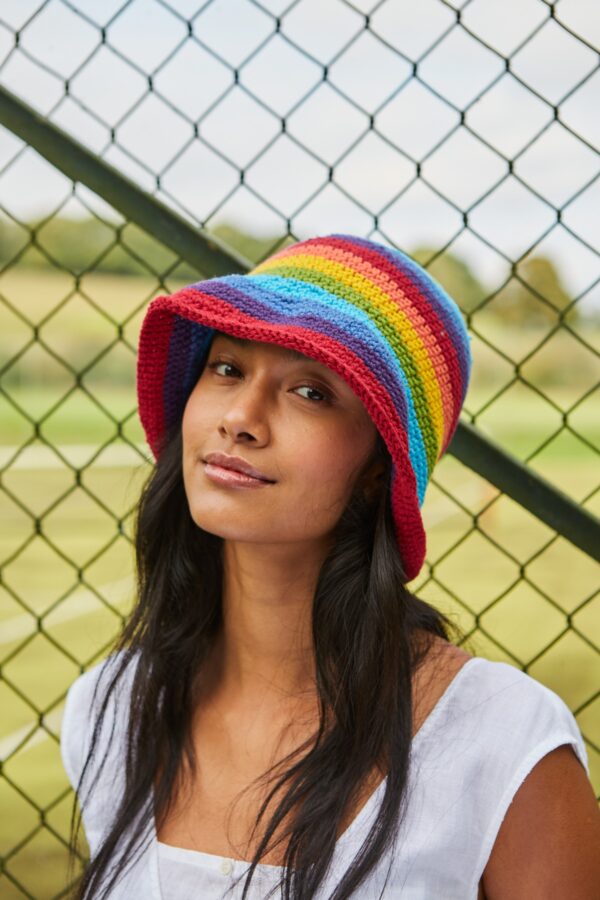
point(327, 122)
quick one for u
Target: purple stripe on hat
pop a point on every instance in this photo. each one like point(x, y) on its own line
point(175, 388)
point(189, 349)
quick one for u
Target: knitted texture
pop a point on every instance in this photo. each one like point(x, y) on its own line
point(367, 311)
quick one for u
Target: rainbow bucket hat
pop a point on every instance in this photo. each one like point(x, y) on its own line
point(367, 311)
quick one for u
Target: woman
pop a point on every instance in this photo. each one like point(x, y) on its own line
point(281, 716)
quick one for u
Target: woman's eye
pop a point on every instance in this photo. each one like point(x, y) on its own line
point(308, 387)
point(220, 362)
point(325, 398)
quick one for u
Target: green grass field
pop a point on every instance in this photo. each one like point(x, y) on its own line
point(522, 620)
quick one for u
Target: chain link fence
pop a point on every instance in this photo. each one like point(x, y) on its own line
point(464, 133)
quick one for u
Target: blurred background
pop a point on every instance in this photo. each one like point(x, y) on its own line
point(463, 132)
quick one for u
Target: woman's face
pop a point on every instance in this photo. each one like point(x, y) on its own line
point(289, 417)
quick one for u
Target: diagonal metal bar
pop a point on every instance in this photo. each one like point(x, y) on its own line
point(528, 488)
point(200, 249)
point(210, 256)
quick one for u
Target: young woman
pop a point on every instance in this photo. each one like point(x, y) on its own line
point(281, 716)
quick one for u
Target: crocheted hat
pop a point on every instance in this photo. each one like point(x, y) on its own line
point(367, 311)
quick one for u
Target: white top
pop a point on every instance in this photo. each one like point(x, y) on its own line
point(485, 734)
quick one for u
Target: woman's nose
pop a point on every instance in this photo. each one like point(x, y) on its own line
point(247, 412)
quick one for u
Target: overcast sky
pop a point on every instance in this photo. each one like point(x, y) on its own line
point(415, 70)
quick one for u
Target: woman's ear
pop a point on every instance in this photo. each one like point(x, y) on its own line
point(372, 480)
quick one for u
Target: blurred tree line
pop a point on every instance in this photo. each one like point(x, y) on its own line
point(534, 296)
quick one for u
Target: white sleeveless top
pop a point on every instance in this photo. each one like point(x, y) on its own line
point(468, 759)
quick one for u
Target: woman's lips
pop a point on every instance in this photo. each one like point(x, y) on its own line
point(231, 478)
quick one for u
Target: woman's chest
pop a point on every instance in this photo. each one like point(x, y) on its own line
point(213, 815)
point(217, 810)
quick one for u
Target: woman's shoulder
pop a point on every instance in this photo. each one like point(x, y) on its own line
point(83, 703)
point(496, 678)
point(89, 688)
point(505, 723)
point(500, 683)
point(506, 709)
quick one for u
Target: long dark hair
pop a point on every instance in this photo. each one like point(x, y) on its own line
point(365, 624)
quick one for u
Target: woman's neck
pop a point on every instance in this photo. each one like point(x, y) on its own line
point(264, 649)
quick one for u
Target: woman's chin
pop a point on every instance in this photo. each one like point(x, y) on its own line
point(222, 520)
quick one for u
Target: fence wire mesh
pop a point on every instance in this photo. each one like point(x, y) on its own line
point(469, 123)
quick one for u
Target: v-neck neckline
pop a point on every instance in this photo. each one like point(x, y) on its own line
point(238, 864)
